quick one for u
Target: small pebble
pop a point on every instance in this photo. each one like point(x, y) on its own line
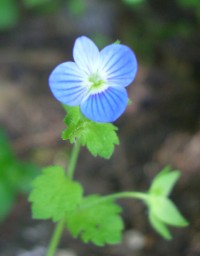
point(134, 240)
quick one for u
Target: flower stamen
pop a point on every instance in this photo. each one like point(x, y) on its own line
point(96, 83)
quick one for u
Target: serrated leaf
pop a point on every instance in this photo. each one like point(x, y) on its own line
point(159, 226)
point(99, 223)
point(164, 182)
point(164, 209)
point(99, 138)
point(54, 194)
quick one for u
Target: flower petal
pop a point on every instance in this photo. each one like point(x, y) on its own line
point(120, 64)
point(86, 55)
point(106, 106)
point(66, 84)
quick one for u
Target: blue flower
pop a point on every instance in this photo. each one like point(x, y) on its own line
point(96, 80)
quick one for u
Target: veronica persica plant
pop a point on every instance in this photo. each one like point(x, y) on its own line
point(96, 80)
point(93, 92)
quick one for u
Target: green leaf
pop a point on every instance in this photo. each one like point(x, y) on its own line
point(159, 226)
point(54, 194)
point(96, 221)
point(162, 210)
point(165, 210)
point(99, 138)
point(164, 182)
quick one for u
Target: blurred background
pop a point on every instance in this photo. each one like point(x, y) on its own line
point(161, 127)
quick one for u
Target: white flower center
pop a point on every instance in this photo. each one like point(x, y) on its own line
point(97, 83)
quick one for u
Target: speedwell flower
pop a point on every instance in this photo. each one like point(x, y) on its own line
point(96, 80)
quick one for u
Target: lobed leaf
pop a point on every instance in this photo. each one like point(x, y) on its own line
point(99, 138)
point(54, 194)
point(99, 223)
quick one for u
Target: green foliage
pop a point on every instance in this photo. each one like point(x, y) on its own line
point(162, 211)
point(54, 194)
point(163, 183)
point(192, 4)
point(42, 7)
point(189, 3)
point(99, 138)
point(97, 218)
point(15, 176)
point(133, 2)
point(9, 14)
point(159, 226)
point(7, 198)
point(96, 221)
point(10, 10)
point(117, 41)
point(76, 7)
point(33, 3)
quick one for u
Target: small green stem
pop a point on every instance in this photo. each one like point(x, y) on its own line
point(128, 194)
point(73, 159)
point(60, 225)
point(55, 238)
